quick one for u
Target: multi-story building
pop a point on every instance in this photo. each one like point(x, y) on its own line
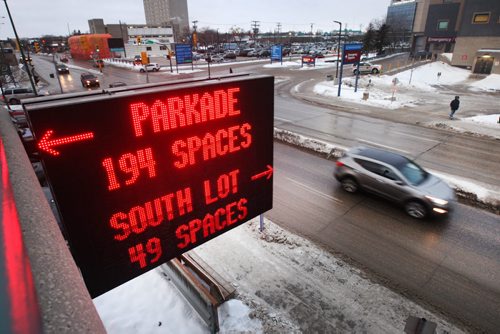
point(478, 40)
point(172, 13)
point(400, 18)
point(155, 40)
point(470, 29)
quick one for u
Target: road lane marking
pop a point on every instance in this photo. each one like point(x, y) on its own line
point(282, 119)
point(314, 191)
point(380, 145)
point(406, 134)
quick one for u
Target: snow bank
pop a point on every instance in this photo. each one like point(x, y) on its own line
point(490, 83)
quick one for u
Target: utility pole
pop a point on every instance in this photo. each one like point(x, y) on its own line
point(338, 49)
point(123, 40)
point(255, 29)
point(279, 27)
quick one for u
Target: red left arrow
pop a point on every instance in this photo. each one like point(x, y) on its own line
point(47, 145)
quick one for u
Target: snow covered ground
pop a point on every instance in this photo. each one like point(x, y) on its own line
point(268, 268)
point(407, 87)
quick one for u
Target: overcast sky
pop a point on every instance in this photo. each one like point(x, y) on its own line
point(34, 18)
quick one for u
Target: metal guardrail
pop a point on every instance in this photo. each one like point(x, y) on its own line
point(63, 300)
point(195, 292)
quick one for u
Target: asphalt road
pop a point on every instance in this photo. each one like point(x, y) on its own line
point(451, 264)
point(456, 154)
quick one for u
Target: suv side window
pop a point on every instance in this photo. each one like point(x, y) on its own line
point(378, 169)
point(370, 166)
point(388, 173)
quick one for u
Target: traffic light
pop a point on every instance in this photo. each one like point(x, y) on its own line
point(138, 39)
point(37, 47)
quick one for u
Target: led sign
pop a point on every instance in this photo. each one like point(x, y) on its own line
point(142, 176)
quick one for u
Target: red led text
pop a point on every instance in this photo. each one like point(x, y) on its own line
point(198, 229)
point(138, 254)
point(226, 184)
point(180, 111)
point(130, 164)
point(212, 145)
point(151, 213)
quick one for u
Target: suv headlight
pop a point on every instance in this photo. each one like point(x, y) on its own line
point(436, 200)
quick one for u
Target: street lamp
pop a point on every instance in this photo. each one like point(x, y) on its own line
point(338, 50)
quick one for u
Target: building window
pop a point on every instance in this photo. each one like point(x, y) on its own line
point(163, 47)
point(481, 18)
point(148, 48)
point(442, 25)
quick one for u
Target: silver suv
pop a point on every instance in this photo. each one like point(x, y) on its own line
point(15, 95)
point(396, 178)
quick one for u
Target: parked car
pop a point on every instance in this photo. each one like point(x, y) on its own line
point(16, 94)
point(64, 59)
point(62, 69)
point(89, 80)
point(366, 67)
point(396, 178)
point(253, 53)
point(264, 53)
point(196, 56)
point(151, 67)
point(117, 84)
point(230, 55)
point(244, 52)
point(215, 58)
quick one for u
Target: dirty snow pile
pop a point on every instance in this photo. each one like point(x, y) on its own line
point(285, 284)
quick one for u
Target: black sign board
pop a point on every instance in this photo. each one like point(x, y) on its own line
point(142, 176)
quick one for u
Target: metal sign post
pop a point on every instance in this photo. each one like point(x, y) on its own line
point(351, 54)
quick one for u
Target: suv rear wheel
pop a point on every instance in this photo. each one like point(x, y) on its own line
point(355, 72)
point(416, 209)
point(14, 101)
point(375, 71)
point(349, 184)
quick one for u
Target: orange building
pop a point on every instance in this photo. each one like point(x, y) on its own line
point(84, 47)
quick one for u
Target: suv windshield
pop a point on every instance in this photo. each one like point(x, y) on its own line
point(412, 172)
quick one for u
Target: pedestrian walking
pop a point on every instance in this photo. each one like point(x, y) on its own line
point(454, 104)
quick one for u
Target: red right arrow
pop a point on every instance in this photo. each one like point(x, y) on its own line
point(267, 173)
point(46, 145)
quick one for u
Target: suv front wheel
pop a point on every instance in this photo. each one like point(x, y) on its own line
point(375, 71)
point(416, 209)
